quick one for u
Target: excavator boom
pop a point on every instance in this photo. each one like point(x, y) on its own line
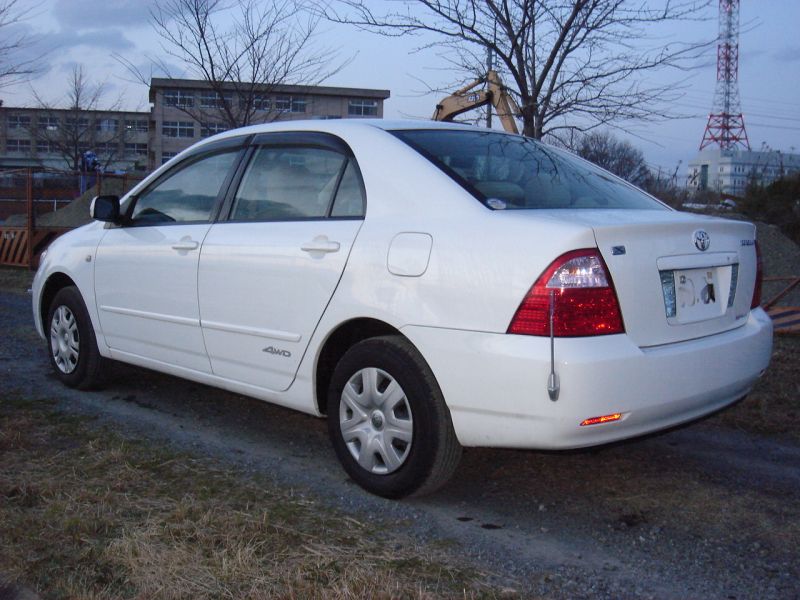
point(468, 98)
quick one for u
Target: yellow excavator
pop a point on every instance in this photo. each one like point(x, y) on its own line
point(468, 98)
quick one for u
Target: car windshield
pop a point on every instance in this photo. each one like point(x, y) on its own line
point(513, 172)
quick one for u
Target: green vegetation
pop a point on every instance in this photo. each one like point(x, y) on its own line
point(777, 203)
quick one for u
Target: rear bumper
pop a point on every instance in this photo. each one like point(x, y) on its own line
point(496, 384)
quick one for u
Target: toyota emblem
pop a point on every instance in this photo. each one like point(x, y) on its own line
point(701, 240)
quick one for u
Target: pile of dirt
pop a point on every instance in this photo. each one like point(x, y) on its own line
point(781, 258)
point(74, 214)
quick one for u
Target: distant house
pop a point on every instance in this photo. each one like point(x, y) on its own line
point(182, 112)
point(730, 171)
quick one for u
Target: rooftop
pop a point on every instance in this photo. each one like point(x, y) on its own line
point(315, 90)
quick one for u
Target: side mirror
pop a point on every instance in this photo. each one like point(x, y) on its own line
point(105, 208)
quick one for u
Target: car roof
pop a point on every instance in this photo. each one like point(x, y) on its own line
point(339, 126)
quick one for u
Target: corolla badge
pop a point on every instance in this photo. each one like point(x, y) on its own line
point(701, 240)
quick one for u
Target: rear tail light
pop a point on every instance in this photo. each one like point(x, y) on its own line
point(759, 279)
point(583, 298)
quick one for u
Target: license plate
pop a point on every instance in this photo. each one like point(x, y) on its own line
point(697, 294)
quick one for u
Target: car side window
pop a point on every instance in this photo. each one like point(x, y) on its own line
point(349, 201)
point(289, 183)
point(187, 195)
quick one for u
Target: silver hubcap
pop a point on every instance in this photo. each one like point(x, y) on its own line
point(375, 420)
point(64, 339)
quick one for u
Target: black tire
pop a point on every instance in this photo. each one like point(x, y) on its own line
point(86, 369)
point(434, 451)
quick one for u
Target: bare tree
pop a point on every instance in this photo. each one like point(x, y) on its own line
point(571, 65)
point(618, 156)
point(14, 67)
point(79, 127)
point(243, 50)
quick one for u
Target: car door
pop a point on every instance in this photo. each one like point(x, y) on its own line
point(146, 269)
point(268, 272)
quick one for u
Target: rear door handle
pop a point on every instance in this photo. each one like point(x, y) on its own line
point(321, 244)
point(185, 245)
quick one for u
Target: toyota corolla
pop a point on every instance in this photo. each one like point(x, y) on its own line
point(424, 286)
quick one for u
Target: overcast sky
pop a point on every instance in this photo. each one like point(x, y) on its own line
point(88, 32)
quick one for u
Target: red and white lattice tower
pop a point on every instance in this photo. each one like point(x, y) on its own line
point(726, 122)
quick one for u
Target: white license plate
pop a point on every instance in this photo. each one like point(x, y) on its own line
point(698, 295)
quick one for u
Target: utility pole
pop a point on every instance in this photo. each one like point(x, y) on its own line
point(725, 125)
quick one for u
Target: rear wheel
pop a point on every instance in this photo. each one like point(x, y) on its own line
point(71, 342)
point(388, 421)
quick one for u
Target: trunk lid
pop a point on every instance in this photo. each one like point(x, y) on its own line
point(669, 289)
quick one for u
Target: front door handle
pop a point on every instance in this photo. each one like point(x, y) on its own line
point(321, 244)
point(186, 244)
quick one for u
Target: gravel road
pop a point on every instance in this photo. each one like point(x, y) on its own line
point(700, 512)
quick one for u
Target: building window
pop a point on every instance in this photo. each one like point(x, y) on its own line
point(18, 122)
point(262, 103)
point(290, 104)
point(209, 129)
point(18, 145)
point(136, 126)
point(46, 147)
point(214, 99)
point(179, 98)
point(106, 125)
point(136, 149)
point(361, 107)
point(106, 147)
point(179, 129)
point(81, 123)
point(167, 156)
point(48, 123)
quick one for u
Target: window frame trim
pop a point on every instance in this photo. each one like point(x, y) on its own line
point(296, 139)
point(239, 145)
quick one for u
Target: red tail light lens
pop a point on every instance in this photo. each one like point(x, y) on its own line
point(583, 296)
point(756, 302)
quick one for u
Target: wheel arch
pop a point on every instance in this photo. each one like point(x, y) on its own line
point(337, 343)
point(55, 282)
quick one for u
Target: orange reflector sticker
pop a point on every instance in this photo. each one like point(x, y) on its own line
point(603, 419)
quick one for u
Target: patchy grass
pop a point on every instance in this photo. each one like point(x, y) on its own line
point(15, 279)
point(773, 407)
point(87, 514)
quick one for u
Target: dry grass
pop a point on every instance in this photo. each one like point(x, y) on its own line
point(773, 407)
point(87, 514)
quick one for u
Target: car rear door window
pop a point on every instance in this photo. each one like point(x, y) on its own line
point(288, 183)
point(185, 196)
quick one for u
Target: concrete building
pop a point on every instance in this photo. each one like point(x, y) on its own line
point(731, 171)
point(58, 138)
point(184, 111)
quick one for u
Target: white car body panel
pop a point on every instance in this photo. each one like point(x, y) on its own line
point(449, 274)
point(146, 293)
point(255, 337)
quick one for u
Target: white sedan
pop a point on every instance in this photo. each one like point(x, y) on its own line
point(426, 286)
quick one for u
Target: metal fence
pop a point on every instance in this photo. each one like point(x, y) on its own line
point(38, 205)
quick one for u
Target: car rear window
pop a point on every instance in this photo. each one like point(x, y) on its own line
point(513, 172)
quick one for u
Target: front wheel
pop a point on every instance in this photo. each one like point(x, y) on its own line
point(388, 420)
point(71, 342)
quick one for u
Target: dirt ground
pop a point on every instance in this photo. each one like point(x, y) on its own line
point(707, 511)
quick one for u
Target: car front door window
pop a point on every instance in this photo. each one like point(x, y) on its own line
point(187, 196)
